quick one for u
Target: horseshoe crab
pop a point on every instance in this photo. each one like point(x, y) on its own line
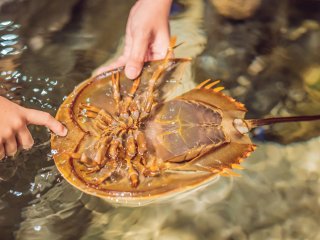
point(128, 143)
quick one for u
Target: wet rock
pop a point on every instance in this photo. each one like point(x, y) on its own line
point(8, 169)
point(311, 79)
point(237, 9)
point(173, 234)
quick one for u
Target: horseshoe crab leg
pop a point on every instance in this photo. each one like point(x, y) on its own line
point(91, 165)
point(130, 154)
point(106, 173)
point(93, 112)
point(100, 157)
point(139, 164)
point(115, 144)
point(131, 94)
point(156, 75)
point(88, 110)
point(152, 168)
point(139, 160)
point(135, 113)
point(141, 142)
point(116, 89)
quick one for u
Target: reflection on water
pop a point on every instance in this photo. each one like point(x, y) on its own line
point(270, 62)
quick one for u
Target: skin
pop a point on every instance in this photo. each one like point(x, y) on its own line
point(14, 120)
point(147, 36)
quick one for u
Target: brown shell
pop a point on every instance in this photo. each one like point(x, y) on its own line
point(191, 137)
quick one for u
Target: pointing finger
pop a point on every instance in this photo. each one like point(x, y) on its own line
point(45, 119)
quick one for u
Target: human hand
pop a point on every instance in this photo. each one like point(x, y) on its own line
point(147, 36)
point(13, 126)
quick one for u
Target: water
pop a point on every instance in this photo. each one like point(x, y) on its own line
point(270, 62)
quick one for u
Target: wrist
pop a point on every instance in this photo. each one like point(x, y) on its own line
point(161, 7)
point(166, 3)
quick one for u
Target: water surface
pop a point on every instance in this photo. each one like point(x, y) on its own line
point(270, 62)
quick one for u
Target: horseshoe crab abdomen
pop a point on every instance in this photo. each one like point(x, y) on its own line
point(184, 129)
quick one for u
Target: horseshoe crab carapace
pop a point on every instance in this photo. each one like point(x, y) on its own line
point(128, 143)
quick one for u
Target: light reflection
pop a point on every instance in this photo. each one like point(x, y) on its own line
point(7, 51)
point(8, 43)
point(16, 193)
point(9, 37)
point(10, 48)
point(44, 92)
point(37, 228)
point(54, 83)
point(42, 86)
point(32, 186)
point(6, 23)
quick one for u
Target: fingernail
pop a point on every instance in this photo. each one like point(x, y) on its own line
point(132, 72)
point(28, 147)
point(64, 132)
point(11, 154)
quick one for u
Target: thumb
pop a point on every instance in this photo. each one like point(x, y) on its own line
point(137, 55)
point(45, 119)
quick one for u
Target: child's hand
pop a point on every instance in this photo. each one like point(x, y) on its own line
point(147, 36)
point(13, 126)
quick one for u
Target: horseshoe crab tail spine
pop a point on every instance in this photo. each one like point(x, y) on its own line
point(244, 126)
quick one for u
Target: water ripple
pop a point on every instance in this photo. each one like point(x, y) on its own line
point(10, 41)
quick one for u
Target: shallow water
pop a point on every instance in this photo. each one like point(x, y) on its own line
point(270, 62)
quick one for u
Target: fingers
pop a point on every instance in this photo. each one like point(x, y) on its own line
point(159, 47)
point(45, 119)
point(17, 134)
point(2, 151)
point(137, 55)
point(138, 48)
point(11, 146)
point(24, 138)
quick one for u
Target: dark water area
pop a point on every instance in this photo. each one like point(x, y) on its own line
point(270, 61)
